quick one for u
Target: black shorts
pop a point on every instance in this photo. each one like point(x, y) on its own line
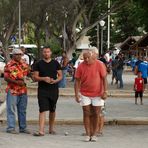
point(145, 80)
point(47, 99)
point(137, 94)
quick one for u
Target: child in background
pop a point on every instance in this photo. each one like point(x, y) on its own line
point(139, 87)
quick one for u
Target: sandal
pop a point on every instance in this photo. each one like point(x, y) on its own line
point(38, 134)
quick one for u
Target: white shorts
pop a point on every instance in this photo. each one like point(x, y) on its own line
point(94, 101)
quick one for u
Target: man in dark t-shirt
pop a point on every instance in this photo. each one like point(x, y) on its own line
point(48, 73)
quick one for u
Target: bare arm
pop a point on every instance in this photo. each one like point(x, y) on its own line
point(18, 82)
point(77, 88)
point(105, 84)
point(38, 78)
point(59, 78)
point(136, 70)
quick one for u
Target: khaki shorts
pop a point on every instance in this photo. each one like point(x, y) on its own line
point(94, 101)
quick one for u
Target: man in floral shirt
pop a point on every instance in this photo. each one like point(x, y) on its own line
point(15, 73)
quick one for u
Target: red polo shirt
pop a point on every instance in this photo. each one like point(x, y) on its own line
point(91, 76)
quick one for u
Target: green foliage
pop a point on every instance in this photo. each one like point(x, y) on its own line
point(55, 46)
point(126, 22)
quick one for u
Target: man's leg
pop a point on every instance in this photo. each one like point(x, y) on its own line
point(87, 119)
point(11, 107)
point(21, 108)
point(42, 119)
point(96, 113)
point(101, 124)
point(52, 122)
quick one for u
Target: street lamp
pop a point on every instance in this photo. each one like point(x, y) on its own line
point(108, 32)
point(19, 23)
point(102, 23)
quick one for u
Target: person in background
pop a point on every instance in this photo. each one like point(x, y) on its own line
point(79, 60)
point(15, 73)
point(107, 64)
point(25, 57)
point(139, 88)
point(64, 65)
point(120, 70)
point(114, 64)
point(143, 67)
point(101, 120)
point(73, 61)
point(107, 56)
point(102, 59)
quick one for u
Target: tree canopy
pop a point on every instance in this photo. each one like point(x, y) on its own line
point(43, 21)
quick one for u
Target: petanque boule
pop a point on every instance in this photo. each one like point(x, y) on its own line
point(66, 133)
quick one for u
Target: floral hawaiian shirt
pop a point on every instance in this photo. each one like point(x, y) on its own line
point(16, 71)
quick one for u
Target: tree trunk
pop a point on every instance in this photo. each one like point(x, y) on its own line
point(37, 38)
point(5, 50)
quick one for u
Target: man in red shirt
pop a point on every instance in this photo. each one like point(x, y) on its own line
point(139, 87)
point(92, 84)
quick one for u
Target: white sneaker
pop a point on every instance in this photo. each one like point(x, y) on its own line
point(94, 139)
point(87, 139)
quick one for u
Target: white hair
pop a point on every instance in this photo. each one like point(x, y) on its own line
point(94, 50)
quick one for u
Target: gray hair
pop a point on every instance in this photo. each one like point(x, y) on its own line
point(94, 50)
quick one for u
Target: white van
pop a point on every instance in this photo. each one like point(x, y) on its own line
point(27, 46)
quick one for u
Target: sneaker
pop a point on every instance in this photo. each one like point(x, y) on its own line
point(87, 139)
point(94, 139)
point(25, 131)
point(12, 132)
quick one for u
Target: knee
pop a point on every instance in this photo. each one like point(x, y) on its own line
point(96, 113)
point(86, 113)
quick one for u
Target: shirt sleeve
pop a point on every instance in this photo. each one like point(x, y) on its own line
point(103, 71)
point(36, 67)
